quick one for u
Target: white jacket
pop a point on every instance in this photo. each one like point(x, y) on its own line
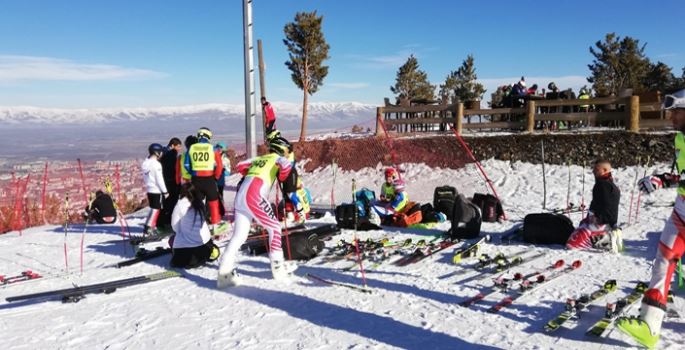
point(152, 175)
point(190, 227)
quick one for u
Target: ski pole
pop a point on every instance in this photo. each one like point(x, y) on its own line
point(544, 177)
point(85, 228)
point(632, 193)
point(285, 221)
point(639, 195)
point(487, 179)
point(354, 233)
point(582, 193)
point(66, 230)
point(568, 190)
point(334, 168)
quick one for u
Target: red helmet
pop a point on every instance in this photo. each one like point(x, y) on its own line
point(390, 172)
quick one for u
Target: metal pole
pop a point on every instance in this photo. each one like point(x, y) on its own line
point(250, 144)
point(262, 84)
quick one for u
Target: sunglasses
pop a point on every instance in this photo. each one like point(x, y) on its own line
point(671, 102)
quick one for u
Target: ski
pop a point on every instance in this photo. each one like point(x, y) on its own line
point(469, 250)
point(24, 276)
point(431, 250)
point(508, 264)
point(503, 284)
point(528, 286)
point(575, 306)
point(617, 309)
point(378, 251)
point(77, 293)
point(144, 254)
point(338, 284)
point(138, 240)
point(420, 248)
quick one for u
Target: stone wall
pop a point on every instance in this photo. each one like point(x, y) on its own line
point(620, 147)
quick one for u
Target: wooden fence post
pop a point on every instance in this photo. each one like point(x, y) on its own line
point(531, 116)
point(634, 124)
point(379, 115)
point(459, 116)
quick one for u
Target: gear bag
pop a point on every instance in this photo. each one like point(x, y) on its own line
point(490, 206)
point(304, 243)
point(411, 214)
point(364, 199)
point(443, 199)
point(547, 228)
point(466, 219)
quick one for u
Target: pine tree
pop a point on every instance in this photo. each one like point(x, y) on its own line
point(659, 78)
point(618, 64)
point(411, 82)
point(307, 50)
point(462, 85)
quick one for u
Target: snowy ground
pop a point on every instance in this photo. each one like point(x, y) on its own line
point(411, 307)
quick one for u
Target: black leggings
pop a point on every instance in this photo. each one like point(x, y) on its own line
point(188, 258)
point(206, 186)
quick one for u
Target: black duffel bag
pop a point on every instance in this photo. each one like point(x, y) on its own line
point(547, 228)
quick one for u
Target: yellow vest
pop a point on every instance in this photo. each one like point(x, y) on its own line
point(201, 157)
point(264, 167)
point(185, 175)
point(680, 159)
point(584, 97)
point(389, 193)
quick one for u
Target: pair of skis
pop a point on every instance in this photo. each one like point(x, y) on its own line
point(528, 286)
point(502, 284)
point(574, 307)
point(24, 276)
point(613, 310)
point(617, 309)
point(77, 293)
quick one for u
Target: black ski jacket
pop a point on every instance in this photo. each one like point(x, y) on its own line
point(605, 198)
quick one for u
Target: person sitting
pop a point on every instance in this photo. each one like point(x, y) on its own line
point(298, 203)
point(102, 209)
point(192, 245)
point(393, 198)
point(598, 230)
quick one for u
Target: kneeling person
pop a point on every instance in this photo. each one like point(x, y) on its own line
point(598, 230)
point(102, 209)
point(192, 245)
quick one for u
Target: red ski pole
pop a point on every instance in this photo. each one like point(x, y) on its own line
point(473, 158)
point(45, 183)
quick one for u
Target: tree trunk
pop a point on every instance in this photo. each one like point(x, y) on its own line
point(303, 129)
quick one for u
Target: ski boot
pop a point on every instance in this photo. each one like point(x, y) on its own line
point(227, 280)
point(646, 328)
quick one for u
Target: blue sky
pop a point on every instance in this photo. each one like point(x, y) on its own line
point(80, 54)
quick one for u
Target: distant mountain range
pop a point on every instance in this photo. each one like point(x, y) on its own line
point(337, 113)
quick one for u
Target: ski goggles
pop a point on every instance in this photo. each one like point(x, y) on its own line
point(672, 102)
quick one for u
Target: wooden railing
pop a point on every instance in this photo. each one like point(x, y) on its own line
point(623, 111)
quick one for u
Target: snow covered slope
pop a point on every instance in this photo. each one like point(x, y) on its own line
point(412, 307)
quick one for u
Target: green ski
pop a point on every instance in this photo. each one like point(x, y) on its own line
point(617, 309)
point(575, 306)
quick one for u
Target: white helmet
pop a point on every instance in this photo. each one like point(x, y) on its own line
point(675, 100)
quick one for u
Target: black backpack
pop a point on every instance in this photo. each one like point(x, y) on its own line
point(466, 219)
point(547, 228)
point(344, 216)
point(443, 199)
point(428, 214)
point(490, 206)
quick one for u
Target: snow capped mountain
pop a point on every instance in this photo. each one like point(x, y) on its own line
point(285, 111)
